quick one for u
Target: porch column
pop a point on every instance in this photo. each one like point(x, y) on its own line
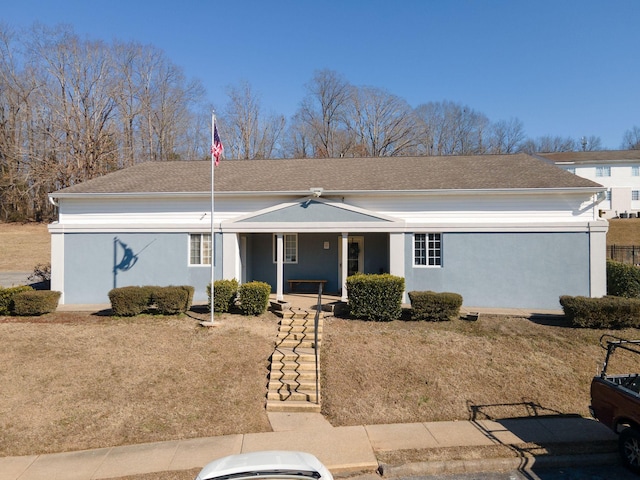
point(230, 256)
point(396, 258)
point(57, 264)
point(279, 268)
point(598, 258)
point(344, 268)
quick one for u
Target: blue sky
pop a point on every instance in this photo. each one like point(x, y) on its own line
point(563, 67)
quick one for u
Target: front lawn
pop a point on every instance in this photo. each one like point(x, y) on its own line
point(75, 381)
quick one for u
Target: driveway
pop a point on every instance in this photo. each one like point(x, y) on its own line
point(13, 279)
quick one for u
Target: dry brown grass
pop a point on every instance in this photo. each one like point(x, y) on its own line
point(99, 381)
point(497, 367)
point(624, 231)
point(23, 246)
point(76, 381)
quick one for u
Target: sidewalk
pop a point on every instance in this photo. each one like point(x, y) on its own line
point(344, 450)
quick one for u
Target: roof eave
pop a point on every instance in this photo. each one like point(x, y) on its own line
point(328, 193)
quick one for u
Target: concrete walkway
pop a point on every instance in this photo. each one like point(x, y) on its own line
point(344, 450)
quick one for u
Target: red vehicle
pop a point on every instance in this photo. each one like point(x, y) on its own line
point(615, 401)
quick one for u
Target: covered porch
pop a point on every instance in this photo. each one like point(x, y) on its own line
point(294, 246)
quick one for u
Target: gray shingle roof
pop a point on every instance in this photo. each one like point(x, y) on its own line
point(604, 156)
point(338, 175)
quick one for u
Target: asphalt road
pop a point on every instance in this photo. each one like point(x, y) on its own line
point(602, 472)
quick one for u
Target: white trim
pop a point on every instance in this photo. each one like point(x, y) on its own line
point(397, 258)
point(597, 261)
point(331, 227)
point(231, 257)
point(122, 227)
point(313, 227)
point(57, 263)
point(329, 202)
point(331, 193)
point(344, 267)
point(279, 267)
point(201, 253)
point(426, 250)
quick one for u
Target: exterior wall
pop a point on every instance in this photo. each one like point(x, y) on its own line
point(500, 249)
point(314, 261)
point(511, 270)
point(619, 185)
point(162, 259)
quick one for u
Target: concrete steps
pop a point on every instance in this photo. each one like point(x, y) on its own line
point(292, 378)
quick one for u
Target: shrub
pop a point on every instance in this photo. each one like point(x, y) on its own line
point(172, 300)
point(35, 302)
point(434, 306)
point(130, 301)
point(375, 297)
point(254, 297)
point(41, 273)
point(623, 280)
point(225, 292)
point(6, 297)
point(605, 312)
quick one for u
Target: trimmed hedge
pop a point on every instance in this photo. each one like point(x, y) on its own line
point(605, 312)
point(623, 280)
point(130, 301)
point(35, 302)
point(254, 297)
point(172, 300)
point(225, 292)
point(436, 307)
point(6, 297)
point(134, 300)
point(375, 297)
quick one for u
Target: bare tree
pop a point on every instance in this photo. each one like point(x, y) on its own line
point(591, 143)
point(631, 139)
point(249, 133)
point(298, 139)
point(383, 124)
point(549, 144)
point(452, 129)
point(323, 112)
point(72, 109)
point(506, 136)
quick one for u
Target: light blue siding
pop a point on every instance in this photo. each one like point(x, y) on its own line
point(511, 270)
point(313, 212)
point(160, 259)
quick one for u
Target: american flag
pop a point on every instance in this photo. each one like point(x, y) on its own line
point(217, 148)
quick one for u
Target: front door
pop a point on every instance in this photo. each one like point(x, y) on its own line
point(355, 257)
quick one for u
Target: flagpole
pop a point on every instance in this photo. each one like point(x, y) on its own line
point(213, 241)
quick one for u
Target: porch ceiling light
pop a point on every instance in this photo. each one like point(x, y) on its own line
point(317, 191)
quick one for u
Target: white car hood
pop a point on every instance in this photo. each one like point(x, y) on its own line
point(266, 463)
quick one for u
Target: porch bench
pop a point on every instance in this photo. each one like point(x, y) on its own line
point(293, 283)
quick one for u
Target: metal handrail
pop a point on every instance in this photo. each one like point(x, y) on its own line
point(315, 342)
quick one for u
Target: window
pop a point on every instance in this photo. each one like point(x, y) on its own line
point(427, 249)
point(200, 249)
point(290, 248)
point(635, 195)
point(635, 171)
point(609, 195)
point(571, 170)
point(603, 171)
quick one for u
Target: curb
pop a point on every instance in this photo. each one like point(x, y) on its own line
point(525, 462)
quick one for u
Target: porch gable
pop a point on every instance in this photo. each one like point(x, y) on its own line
point(314, 210)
